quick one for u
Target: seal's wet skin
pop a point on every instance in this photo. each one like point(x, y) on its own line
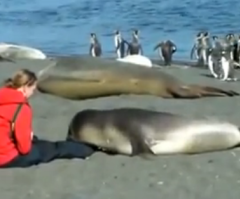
point(132, 131)
point(88, 77)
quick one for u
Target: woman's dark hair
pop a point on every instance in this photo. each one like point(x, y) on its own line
point(23, 77)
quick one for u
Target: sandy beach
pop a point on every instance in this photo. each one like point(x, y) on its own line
point(205, 176)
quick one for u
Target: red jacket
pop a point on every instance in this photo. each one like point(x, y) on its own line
point(9, 100)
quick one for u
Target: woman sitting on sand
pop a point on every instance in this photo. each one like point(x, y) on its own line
point(18, 146)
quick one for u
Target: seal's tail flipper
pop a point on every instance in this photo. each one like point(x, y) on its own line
point(196, 91)
point(213, 91)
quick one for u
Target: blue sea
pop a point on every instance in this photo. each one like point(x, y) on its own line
point(62, 27)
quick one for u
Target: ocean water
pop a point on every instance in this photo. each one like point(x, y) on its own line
point(63, 26)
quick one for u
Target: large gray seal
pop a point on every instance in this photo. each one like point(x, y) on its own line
point(132, 131)
point(87, 77)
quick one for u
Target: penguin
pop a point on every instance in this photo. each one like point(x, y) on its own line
point(205, 45)
point(214, 64)
point(232, 43)
point(135, 48)
point(196, 45)
point(237, 55)
point(221, 65)
point(227, 66)
point(201, 48)
point(119, 44)
point(95, 46)
point(168, 48)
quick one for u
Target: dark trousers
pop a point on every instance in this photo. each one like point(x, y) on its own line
point(46, 151)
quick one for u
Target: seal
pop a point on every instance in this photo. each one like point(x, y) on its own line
point(137, 59)
point(79, 78)
point(132, 131)
point(95, 46)
point(135, 48)
point(119, 44)
point(168, 48)
point(9, 52)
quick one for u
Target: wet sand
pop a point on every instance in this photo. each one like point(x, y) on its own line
point(205, 176)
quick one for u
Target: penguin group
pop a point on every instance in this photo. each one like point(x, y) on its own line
point(133, 48)
point(221, 55)
point(125, 48)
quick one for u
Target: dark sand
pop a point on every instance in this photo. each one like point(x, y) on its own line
point(205, 176)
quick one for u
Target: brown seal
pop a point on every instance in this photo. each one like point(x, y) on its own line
point(88, 77)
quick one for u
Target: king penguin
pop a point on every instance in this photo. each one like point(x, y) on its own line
point(135, 48)
point(95, 46)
